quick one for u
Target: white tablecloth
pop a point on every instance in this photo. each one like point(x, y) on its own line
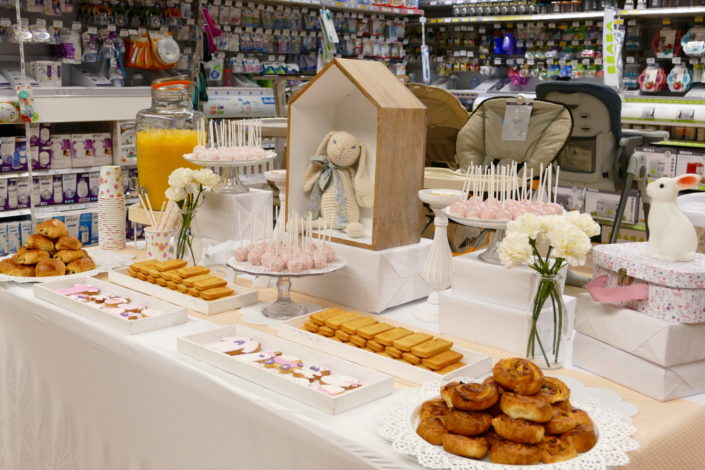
point(77, 396)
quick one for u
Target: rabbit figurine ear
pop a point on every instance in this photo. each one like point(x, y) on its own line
point(688, 180)
point(364, 192)
point(322, 148)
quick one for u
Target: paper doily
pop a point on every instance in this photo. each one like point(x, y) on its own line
point(398, 426)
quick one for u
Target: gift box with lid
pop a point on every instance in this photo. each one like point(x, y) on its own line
point(672, 291)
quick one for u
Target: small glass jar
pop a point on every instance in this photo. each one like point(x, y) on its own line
point(165, 133)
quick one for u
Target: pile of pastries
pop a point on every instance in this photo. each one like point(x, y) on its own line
point(51, 251)
point(176, 274)
point(517, 416)
point(418, 349)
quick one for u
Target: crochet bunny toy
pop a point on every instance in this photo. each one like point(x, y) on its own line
point(337, 189)
point(671, 235)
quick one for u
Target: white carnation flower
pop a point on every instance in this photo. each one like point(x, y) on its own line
point(584, 222)
point(175, 194)
point(527, 224)
point(569, 242)
point(515, 250)
point(181, 178)
point(206, 178)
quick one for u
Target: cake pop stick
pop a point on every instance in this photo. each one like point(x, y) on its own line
point(555, 192)
point(549, 181)
point(523, 183)
point(531, 185)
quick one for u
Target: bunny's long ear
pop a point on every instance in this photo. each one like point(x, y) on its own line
point(689, 180)
point(324, 144)
point(364, 192)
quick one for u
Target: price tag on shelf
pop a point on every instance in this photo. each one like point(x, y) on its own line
point(520, 44)
point(692, 61)
point(7, 23)
point(497, 61)
point(456, 53)
point(164, 29)
point(598, 61)
point(92, 30)
point(586, 61)
point(650, 60)
point(576, 24)
point(41, 22)
point(190, 21)
point(54, 24)
point(520, 61)
point(698, 19)
point(529, 44)
point(574, 63)
point(471, 54)
point(510, 61)
point(552, 25)
point(111, 28)
point(125, 33)
point(550, 43)
point(271, 58)
point(76, 26)
point(497, 26)
point(482, 30)
point(463, 53)
point(666, 21)
point(676, 60)
point(575, 42)
point(549, 61)
point(530, 61)
point(588, 23)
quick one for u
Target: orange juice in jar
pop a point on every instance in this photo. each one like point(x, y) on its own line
point(165, 133)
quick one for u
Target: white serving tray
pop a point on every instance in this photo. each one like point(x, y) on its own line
point(477, 363)
point(375, 384)
point(242, 297)
point(172, 314)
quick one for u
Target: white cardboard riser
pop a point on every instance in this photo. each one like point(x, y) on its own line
point(638, 374)
point(210, 222)
point(659, 341)
point(492, 283)
point(372, 281)
point(493, 325)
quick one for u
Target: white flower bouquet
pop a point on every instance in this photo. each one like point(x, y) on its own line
point(186, 189)
point(547, 244)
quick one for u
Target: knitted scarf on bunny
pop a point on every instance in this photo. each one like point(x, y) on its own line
point(328, 173)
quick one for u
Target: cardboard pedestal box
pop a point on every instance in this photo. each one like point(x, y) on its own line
point(660, 161)
point(493, 283)
point(625, 235)
point(602, 205)
point(661, 383)
point(366, 100)
point(372, 281)
point(662, 342)
point(691, 161)
point(210, 223)
point(494, 325)
point(571, 199)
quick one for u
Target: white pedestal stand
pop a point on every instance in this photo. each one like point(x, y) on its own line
point(437, 267)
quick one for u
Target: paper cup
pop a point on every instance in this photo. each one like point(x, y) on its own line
point(157, 243)
point(112, 223)
point(110, 182)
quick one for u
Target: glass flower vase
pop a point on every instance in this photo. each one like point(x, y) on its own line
point(549, 326)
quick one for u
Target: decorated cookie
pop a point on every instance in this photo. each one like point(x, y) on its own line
point(79, 289)
point(114, 301)
point(235, 345)
point(342, 381)
point(136, 308)
point(99, 298)
point(257, 357)
point(311, 372)
point(283, 364)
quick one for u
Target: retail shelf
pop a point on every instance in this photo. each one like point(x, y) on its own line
point(662, 12)
point(609, 223)
point(46, 210)
point(62, 171)
point(682, 143)
point(14, 213)
point(558, 17)
point(348, 6)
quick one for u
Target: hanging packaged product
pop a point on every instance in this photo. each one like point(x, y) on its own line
point(680, 79)
point(71, 44)
point(139, 52)
point(667, 43)
point(90, 46)
point(165, 50)
point(652, 79)
point(693, 42)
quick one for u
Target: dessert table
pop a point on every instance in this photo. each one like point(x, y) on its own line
point(76, 395)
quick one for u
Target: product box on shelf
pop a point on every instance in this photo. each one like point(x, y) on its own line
point(659, 341)
point(572, 199)
point(3, 240)
point(71, 221)
point(103, 146)
point(493, 283)
point(9, 109)
point(58, 189)
point(40, 148)
point(661, 383)
point(94, 184)
point(3, 194)
point(25, 230)
point(676, 290)
point(165, 314)
point(94, 228)
point(372, 281)
point(7, 150)
point(691, 161)
point(24, 192)
point(494, 325)
point(625, 235)
point(366, 100)
point(83, 191)
point(660, 161)
point(46, 72)
point(13, 237)
point(87, 78)
point(124, 138)
point(602, 205)
point(85, 225)
point(43, 190)
point(61, 151)
point(12, 202)
point(20, 157)
point(83, 150)
point(68, 183)
point(375, 385)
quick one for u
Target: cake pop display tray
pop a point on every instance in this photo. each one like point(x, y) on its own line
point(476, 364)
point(169, 314)
point(241, 298)
point(375, 385)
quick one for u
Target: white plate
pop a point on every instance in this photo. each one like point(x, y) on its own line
point(480, 223)
point(230, 164)
point(262, 271)
point(398, 427)
point(105, 260)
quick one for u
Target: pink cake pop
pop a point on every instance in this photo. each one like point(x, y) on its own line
point(320, 260)
point(276, 264)
point(241, 254)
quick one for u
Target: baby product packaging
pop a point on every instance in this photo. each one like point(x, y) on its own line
point(103, 144)
point(58, 189)
point(124, 145)
point(68, 183)
point(7, 149)
point(71, 221)
point(94, 184)
point(94, 228)
point(3, 240)
point(85, 224)
point(83, 150)
point(83, 193)
point(19, 158)
point(24, 192)
point(25, 230)
point(44, 189)
point(13, 237)
point(3, 194)
point(61, 151)
point(11, 194)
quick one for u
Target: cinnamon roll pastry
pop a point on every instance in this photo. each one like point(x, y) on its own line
point(474, 396)
point(491, 436)
point(518, 375)
point(447, 392)
point(472, 447)
point(582, 437)
point(433, 408)
point(517, 430)
point(554, 449)
point(467, 423)
point(554, 390)
point(431, 430)
point(491, 380)
point(564, 405)
point(514, 453)
point(581, 417)
point(533, 408)
point(29, 256)
point(561, 422)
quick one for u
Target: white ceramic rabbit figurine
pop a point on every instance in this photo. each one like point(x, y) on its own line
point(671, 235)
point(337, 189)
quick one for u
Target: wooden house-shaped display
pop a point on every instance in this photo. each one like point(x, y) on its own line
point(366, 100)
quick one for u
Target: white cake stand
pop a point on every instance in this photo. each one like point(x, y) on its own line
point(491, 254)
point(228, 171)
point(437, 267)
point(283, 308)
